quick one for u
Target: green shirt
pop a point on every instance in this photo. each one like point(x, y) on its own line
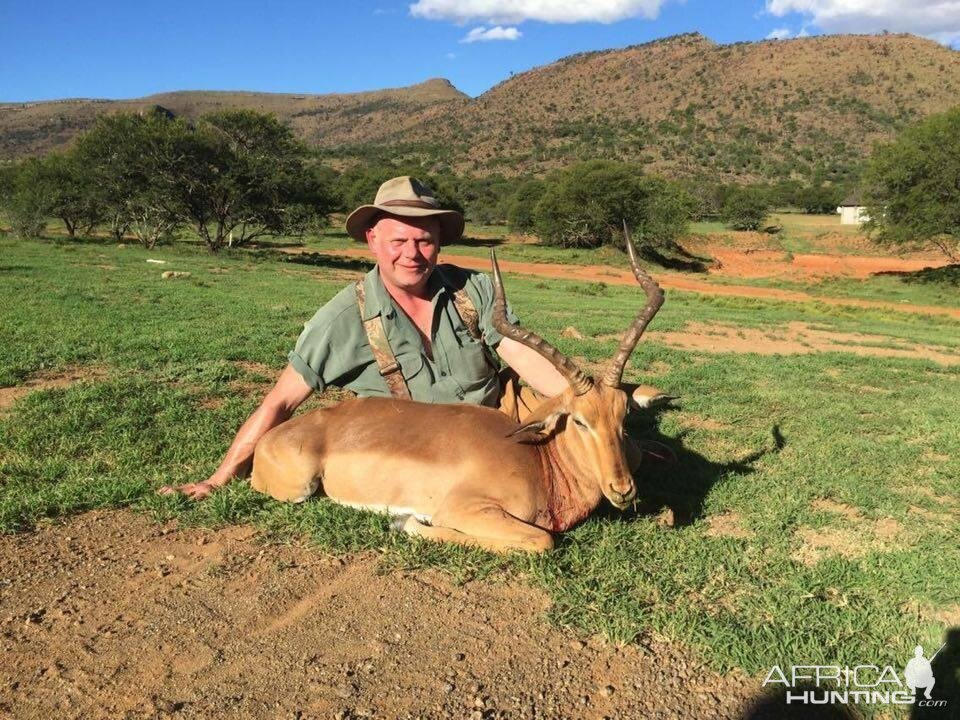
point(333, 347)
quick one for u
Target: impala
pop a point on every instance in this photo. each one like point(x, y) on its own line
point(466, 473)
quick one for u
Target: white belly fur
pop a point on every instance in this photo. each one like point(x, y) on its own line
point(382, 509)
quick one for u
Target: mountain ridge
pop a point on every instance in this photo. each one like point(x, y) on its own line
point(682, 106)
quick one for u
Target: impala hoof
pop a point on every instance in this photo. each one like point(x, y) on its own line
point(398, 522)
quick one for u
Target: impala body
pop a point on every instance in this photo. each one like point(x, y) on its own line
point(466, 473)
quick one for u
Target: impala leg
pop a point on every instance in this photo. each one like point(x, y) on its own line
point(282, 470)
point(489, 527)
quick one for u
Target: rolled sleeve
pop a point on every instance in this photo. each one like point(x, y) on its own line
point(332, 345)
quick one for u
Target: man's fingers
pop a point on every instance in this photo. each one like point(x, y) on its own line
point(194, 491)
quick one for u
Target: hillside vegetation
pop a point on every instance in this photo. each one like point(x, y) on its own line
point(682, 106)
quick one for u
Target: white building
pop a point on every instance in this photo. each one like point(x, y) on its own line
point(852, 211)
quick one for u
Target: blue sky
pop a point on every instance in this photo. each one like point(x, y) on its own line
point(111, 49)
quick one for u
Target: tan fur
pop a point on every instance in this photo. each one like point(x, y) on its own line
point(455, 466)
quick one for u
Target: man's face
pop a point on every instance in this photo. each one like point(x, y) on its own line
point(406, 250)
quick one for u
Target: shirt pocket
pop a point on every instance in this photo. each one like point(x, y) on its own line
point(472, 366)
point(411, 365)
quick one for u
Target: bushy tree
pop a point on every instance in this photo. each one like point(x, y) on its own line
point(70, 188)
point(746, 208)
point(523, 203)
point(26, 201)
point(586, 205)
point(242, 178)
point(912, 186)
point(822, 199)
point(134, 162)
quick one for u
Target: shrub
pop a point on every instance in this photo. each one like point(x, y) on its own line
point(586, 205)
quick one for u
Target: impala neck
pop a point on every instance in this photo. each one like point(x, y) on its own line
point(569, 498)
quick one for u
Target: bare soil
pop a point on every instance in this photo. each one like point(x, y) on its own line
point(46, 381)
point(111, 615)
point(798, 338)
point(676, 281)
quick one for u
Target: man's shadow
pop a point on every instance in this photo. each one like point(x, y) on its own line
point(679, 485)
point(946, 667)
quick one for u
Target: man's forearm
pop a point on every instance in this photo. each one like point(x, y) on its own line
point(538, 372)
point(239, 458)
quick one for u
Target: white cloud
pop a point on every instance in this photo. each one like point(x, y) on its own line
point(451, 56)
point(512, 12)
point(937, 19)
point(779, 34)
point(482, 34)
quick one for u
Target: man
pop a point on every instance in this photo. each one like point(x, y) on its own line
point(405, 330)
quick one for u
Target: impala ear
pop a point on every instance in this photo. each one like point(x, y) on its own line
point(538, 429)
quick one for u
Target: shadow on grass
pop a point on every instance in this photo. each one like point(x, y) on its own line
point(471, 242)
point(315, 259)
point(681, 485)
point(676, 259)
point(946, 688)
point(946, 275)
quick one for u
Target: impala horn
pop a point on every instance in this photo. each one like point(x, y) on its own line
point(579, 381)
point(614, 373)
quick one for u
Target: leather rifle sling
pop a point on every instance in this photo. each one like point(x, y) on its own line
point(382, 353)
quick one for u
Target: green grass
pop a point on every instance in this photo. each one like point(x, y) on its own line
point(878, 434)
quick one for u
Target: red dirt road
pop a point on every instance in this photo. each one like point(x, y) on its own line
point(676, 281)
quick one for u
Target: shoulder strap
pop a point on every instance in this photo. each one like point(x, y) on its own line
point(382, 353)
point(464, 305)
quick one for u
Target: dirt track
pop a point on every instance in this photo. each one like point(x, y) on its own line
point(110, 615)
point(676, 281)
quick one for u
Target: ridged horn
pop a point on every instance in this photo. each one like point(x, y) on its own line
point(614, 372)
point(579, 381)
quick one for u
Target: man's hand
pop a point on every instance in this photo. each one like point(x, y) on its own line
point(194, 491)
point(278, 406)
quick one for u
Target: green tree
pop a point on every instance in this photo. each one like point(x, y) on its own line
point(746, 208)
point(242, 177)
point(27, 201)
point(134, 163)
point(523, 203)
point(71, 190)
point(822, 199)
point(586, 205)
point(912, 186)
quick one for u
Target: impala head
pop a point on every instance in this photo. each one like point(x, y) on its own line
point(585, 422)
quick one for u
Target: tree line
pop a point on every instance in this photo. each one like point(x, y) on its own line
point(233, 176)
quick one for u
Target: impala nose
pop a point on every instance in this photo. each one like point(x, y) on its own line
point(622, 499)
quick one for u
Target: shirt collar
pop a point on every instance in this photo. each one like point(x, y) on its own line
point(378, 300)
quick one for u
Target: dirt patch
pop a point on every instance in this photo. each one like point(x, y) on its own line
point(936, 517)
point(797, 338)
point(727, 525)
point(675, 281)
point(922, 491)
point(856, 538)
point(47, 381)
point(949, 615)
point(763, 263)
point(838, 508)
point(657, 367)
point(110, 615)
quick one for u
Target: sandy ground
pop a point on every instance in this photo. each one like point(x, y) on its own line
point(110, 615)
point(676, 281)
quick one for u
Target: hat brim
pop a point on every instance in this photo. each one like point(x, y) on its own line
point(451, 222)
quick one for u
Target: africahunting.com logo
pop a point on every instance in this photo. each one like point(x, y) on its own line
point(861, 684)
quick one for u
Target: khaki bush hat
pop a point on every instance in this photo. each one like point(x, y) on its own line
point(405, 197)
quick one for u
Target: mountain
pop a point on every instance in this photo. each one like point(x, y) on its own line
point(683, 106)
point(33, 128)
